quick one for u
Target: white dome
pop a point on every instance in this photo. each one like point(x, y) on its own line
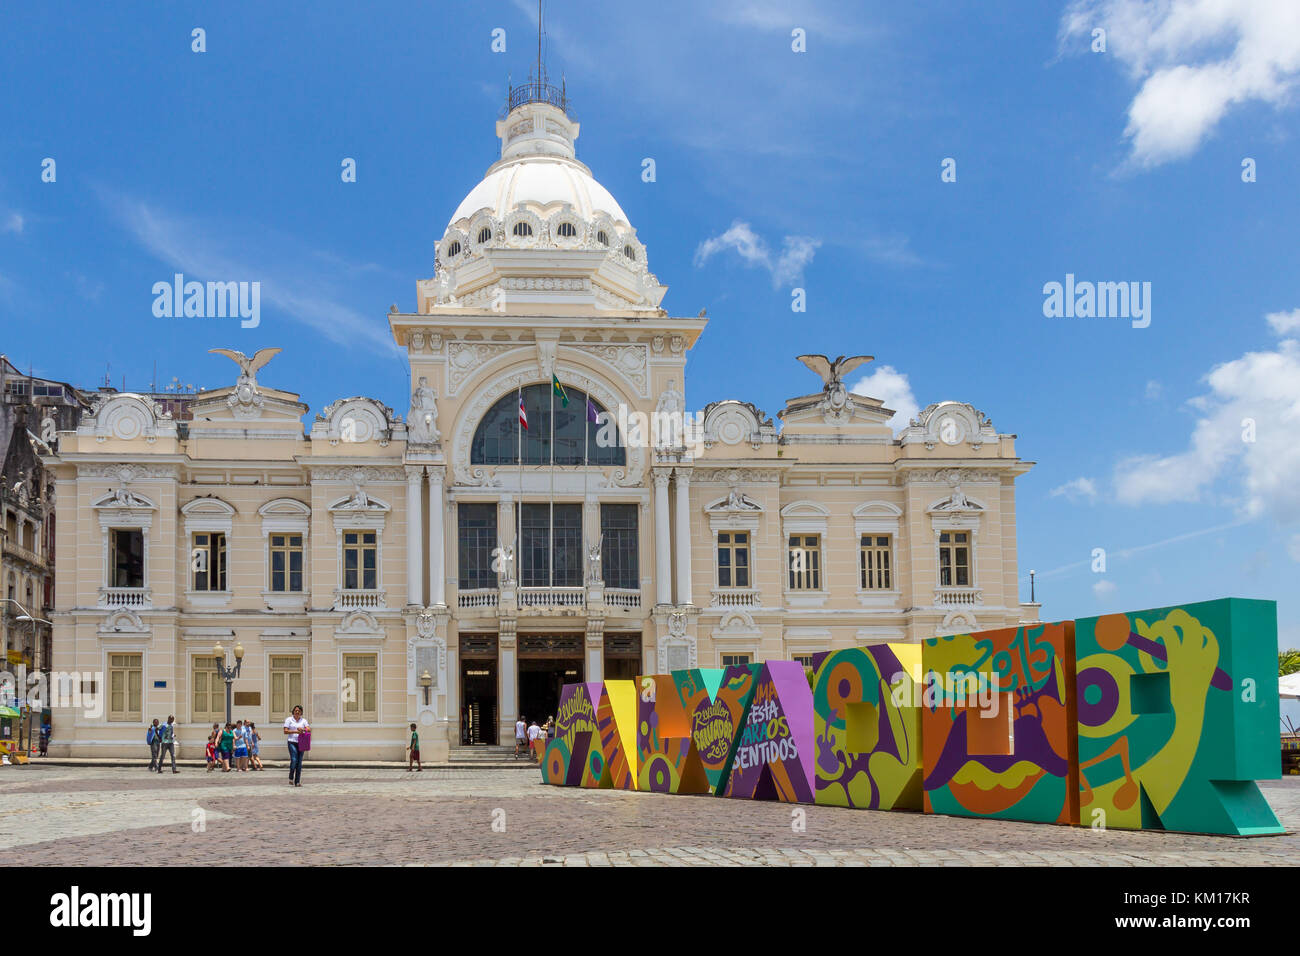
point(540, 184)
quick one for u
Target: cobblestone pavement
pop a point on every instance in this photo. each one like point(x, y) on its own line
point(102, 816)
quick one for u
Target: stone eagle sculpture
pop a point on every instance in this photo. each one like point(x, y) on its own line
point(833, 372)
point(248, 366)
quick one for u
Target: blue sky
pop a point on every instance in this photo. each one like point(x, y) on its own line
point(775, 169)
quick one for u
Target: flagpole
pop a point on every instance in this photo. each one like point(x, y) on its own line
point(519, 505)
point(550, 530)
point(586, 435)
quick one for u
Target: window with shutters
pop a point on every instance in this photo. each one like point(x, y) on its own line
point(874, 562)
point(125, 687)
point(360, 687)
point(805, 558)
point(954, 559)
point(286, 685)
point(208, 697)
point(208, 561)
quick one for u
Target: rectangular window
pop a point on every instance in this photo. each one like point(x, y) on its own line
point(735, 660)
point(209, 691)
point(125, 687)
point(286, 562)
point(805, 659)
point(286, 685)
point(733, 559)
point(805, 562)
point(618, 546)
point(538, 539)
point(874, 562)
point(360, 561)
point(476, 540)
point(126, 558)
point(360, 687)
point(208, 561)
point(954, 559)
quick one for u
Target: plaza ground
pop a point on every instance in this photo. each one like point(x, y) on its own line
point(77, 815)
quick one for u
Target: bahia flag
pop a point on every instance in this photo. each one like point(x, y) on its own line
point(592, 414)
point(523, 415)
point(558, 390)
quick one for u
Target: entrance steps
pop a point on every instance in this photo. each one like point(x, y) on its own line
point(489, 757)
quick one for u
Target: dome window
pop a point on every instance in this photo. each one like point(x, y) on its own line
point(453, 250)
point(484, 235)
point(568, 230)
point(630, 253)
point(522, 229)
point(602, 237)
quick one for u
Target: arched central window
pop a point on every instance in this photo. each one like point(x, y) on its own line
point(499, 439)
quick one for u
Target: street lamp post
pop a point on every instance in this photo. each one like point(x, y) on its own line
point(228, 674)
point(426, 682)
point(29, 617)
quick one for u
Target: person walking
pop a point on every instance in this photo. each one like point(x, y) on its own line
point(533, 733)
point(254, 739)
point(168, 743)
point(294, 725)
point(154, 739)
point(413, 755)
point(521, 733)
point(212, 752)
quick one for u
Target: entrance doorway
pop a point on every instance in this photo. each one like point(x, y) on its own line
point(478, 689)
point(546, 664)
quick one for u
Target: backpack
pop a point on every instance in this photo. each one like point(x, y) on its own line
point(148, 738)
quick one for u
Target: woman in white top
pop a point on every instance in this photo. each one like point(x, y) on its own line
point(293, 726)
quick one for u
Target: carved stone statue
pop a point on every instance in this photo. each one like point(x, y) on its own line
point(593, 564)
point(422, 423)
point(246, 400)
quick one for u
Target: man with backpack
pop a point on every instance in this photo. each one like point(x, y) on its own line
point(153, 737)
point(167, 737)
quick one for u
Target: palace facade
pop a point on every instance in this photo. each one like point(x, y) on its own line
point(447, 566)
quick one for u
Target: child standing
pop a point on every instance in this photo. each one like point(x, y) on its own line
point(212, 752)
point(254, 739)
point(413, 757)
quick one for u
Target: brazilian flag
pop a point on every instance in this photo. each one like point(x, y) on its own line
point(558, 391)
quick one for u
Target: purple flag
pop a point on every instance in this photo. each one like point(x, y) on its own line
point(591, 412)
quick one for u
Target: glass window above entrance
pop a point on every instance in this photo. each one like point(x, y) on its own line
point(501, 440)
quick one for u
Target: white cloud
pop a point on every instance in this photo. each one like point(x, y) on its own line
point(1193, 61)
point(1079, 489)
point(891, 387)
point(1103, 589)
point(298, 285)
point(1283, 323)
point(13, 223)
point(1154, 390)
point(1254, 397)
point(786, 267)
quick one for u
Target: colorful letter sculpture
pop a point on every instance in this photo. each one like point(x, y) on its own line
point(593, 744)
point(774, 751)
point(667, 758)
point(997, 724)
point(1160, 719)
point(1178, 717)
point(867, 723)
point(716, 701)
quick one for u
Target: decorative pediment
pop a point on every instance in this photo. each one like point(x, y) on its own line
point(736, 624)
point(285, 508)
point(123, 622)
point(359, 501)
point(207, 507)
point(950, 423)
point(733, 422)
point(355, 420)
point(735, 501)
point(127, 416)
point(358, 624)
point(882, 517)
point(955, 503)
point(125, 500)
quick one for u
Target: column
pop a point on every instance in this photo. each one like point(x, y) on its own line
point(414, 536)
point(437, 548)
point(663, 541)
point(683, 478)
